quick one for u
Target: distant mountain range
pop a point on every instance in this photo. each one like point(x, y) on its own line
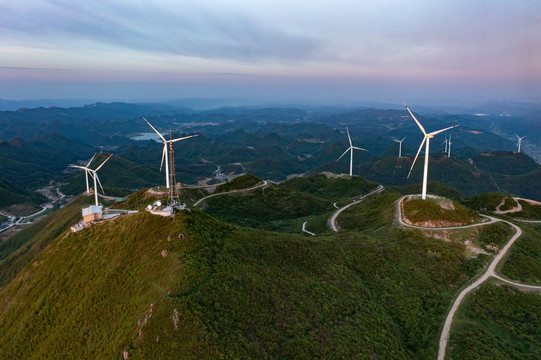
point(269, 142)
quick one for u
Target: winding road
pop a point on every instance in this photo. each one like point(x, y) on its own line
point(490, 271)
point(332, 220)
point(44, 207)
point(264, 183)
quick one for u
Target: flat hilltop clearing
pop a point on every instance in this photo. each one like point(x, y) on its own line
point(436, 211)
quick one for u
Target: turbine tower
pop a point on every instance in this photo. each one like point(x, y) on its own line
point(94, 174)
point(426, 139)
point(351, 147)
point(449, 146)
point(400, 147)
point(519, 141)
point(164, 153)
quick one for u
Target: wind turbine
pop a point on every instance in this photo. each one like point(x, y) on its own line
point(445, 142)
point(86, 174)
point(519, 141)
point(449, 146)
point(400, 147)
point(94, 174)
point(426, 139)
point(164, 153)
point(351, 147)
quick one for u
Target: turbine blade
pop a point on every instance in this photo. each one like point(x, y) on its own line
point(154, 129)
point(404, 138)
point(79, 167)
point(163, 155)
point(345, 152)
point(99, 167)
point(442, 130)
point(87, 165)
point(184, 138)
point(414, 118)
point(358, 148)
point(349, 137)
point(416, 156)
point(99, 182)
point(517, 135)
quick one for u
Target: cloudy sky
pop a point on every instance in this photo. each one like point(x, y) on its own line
point(275, 50)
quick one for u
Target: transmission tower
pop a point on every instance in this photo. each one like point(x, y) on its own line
point(173, 191)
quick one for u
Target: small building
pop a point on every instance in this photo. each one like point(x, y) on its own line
point(92, 213)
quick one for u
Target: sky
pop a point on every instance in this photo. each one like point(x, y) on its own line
point(318, 50)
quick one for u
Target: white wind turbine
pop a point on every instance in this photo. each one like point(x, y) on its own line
point(351, 147)
point(164, 154)
point(94, 174)
point(519, 141)
point(400, 147)
point(426, 139)
point(446, 142)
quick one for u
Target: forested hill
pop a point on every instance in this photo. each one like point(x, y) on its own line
point(197, 287)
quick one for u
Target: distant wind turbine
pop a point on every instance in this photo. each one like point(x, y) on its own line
point(164, 153)
point(426, 139)
point(351, 147)
point(519, 141)
point(94, 174)
point(445, 142)
point(400, 147)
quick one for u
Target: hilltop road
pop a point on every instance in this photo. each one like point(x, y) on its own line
point(490, 271)
point(264, 183)
point(332, 220)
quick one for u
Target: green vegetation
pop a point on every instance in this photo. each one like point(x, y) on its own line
point(497, 322)
point(222, 291)
point(496, 234)
point(508, 204)
point(440, 211)
point(488, 201)
point(331, 187)
point(523, 262)
point(241, 182)
point(139, 200)
point(505, 162)
point(373, 213)
point(274, 207)
point(529, 211)
point(22, 247)
point(11, 193)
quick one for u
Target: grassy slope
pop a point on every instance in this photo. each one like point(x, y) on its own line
point(497, 322)
point(22, 247)
point(529, 211)
point(331, 188)
point(273, 208)
point(523, 262)
point(241, 182)
point(417, 210)
point(11, 193)
point(356, 294)
point(488, 201)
